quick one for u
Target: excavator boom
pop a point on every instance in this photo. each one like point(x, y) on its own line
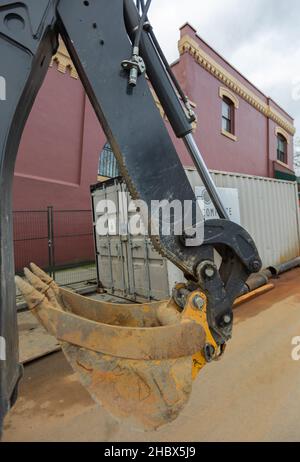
point(120, 64)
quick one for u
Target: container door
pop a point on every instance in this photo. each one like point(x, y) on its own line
point(111, 249)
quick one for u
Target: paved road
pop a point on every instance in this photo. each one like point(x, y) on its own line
point(252, 395)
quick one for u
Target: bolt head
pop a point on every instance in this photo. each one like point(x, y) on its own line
point(206, 270)
point(255, 266)
point(198, 302)
point(209, 272)
point(227, 319)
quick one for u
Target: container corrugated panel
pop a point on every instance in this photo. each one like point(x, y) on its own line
point(127, 265)
point(269, 212)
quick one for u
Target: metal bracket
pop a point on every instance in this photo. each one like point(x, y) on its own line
point(136, 66)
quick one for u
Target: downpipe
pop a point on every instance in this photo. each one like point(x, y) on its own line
point(256, 281)
point(277, 270)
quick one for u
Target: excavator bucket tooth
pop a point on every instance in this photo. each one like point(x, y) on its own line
point(44, 277)
point(137, 361)
point(41, 286)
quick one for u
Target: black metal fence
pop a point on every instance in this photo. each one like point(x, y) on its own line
point(59, 241)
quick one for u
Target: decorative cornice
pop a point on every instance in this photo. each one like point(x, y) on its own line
point(63, 61)
point(188, 45)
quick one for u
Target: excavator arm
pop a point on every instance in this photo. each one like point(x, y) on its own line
point(120, 64)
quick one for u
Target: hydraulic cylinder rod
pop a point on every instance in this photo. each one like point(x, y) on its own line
point(205, 175)
point(170, 101)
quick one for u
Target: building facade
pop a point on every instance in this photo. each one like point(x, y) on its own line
point(239, 129)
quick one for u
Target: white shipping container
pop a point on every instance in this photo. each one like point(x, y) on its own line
point(269, 211)
point(267, 208)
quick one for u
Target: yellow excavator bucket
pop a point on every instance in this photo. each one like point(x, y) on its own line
point(137, 361)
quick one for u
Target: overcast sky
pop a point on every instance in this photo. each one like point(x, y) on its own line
point(261, 38)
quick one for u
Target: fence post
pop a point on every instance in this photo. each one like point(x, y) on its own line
point(51, 252)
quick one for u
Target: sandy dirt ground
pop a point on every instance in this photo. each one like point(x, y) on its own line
point(253, 394)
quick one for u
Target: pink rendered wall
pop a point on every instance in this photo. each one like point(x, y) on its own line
point(59, 152)
point(248, 153)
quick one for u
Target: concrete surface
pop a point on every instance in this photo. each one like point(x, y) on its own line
point(34, 341)
point(253, 394)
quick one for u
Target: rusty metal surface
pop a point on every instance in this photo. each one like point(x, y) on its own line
point(145, 394)
point(137, 361)
point(137, 315)
point(156, 343)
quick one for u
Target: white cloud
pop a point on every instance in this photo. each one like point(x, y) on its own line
point(168, 15)
point(265, 64)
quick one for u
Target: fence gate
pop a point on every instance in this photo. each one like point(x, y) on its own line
point(59, 241)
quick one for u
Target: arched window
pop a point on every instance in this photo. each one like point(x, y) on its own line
point(227, 115)
point(108, 166)
point(281, 148)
